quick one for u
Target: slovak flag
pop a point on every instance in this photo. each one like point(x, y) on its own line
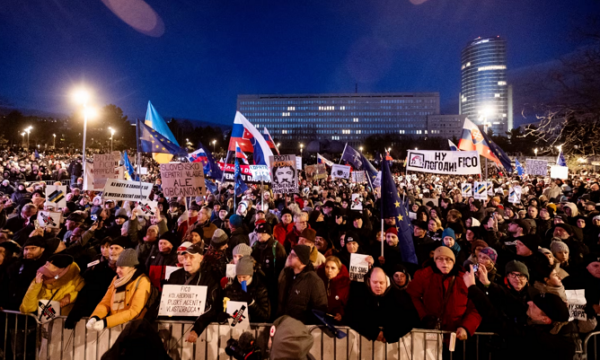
point(239, 154)
point(473, 139)
point(387, 156)
point(249, 140)
point(322, 160)
point(452, 145)
point(269, 140)
point(198, 156)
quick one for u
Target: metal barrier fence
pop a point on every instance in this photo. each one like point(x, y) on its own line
point(51, 341)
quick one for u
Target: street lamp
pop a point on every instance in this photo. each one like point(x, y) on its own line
point(214, 142)
point(361, 149)
point(54, 144)
point(23, 139)
point(82, 97)
point(112, 135)
point(28, 130)
point(301, 148)
point(535, 151)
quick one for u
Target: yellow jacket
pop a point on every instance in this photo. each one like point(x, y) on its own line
point(133, 307)
point(69, 284)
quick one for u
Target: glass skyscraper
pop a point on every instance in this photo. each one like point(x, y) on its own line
point(485, 94)
point(344, 117)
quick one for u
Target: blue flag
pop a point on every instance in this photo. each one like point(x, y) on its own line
point(210, 185)
point(359, 162)
point(129, 172)
point(560, 161)
point(151, 141)
point(211, 169)
point(519, 167)
point(500, 154)
point(37, 154)
point(240, 185)
point(392, 206)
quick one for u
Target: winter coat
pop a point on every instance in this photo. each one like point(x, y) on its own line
point(368, 314)
point(137, 291)
point(256, 296)
point(271, 257)
point(280, 231)
point(68, 284)
point(238, 236)
point(157, 264)
point(17, 280)
point(337, 290)
point(300, 293)
point(427, 291)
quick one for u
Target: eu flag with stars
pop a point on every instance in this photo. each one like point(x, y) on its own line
point(392, 206)
point(151, 141)
point(358, 161)
point(519, 167)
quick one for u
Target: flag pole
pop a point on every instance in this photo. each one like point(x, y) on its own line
point(139, 156)
point(383, 235)
point(343, 152)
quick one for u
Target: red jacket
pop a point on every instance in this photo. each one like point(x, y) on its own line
point(337, 288)
point(280, 231)
point(427, 291)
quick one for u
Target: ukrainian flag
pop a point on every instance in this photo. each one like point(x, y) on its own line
point(156, 122)
point(129, 172)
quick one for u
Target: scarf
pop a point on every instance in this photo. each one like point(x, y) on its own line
point(51, 276)
point(125, 279)
point(556, 290)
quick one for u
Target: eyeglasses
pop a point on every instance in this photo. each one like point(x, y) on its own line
point(444, 259)
point(517, 275)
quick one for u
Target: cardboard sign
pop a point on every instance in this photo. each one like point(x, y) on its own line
point(340, 171)
point(230, 271)
point(50, 219)
point(359, 177)
point(466, 189)
point(182, 179)
point(315, 172)
point(284, 174)
point(480, 190)
point(57, 194)
point(490, 188)
point(514, 194)
point(358, 267)
point(169, 270)
point(559, 172)
point(536, 167)
point(240, 317)
point(298, 163)
point(116, 189)
point(260, 173)
point(357, 202)
point(182, 300)
point(577, 302)
point(444, 162)
point(104, 168)
point(47, 312)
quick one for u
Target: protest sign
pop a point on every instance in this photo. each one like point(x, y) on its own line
point(514, 194)
point(50, 219)
point(357, 200)
point(536, 167)
point(260, 173)
point(359, 176)
point(119, 173)
point(298, 163)
point(340, 171)
point(559, 172)
point(182, 179)
point(143, 170)
point(230, 271)
point(444, 162)
point(358, 267)
point(104, 168)
point(490, 188)
point(240, 317)
point(412, 215)
point(48, 310)
point(182, 300)
point(577, 302)
point(480, 190)
point(466, 189)
point(148, 207)
point(116, 189)
point(284, 175)
point(57, 194)
point(169, 270)
point(229, 170)
point(315, 172)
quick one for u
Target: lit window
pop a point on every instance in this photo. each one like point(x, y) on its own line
point(468, 64)
point(284, 131)
point(342, 108)
point(501, 83)
point(291, 108)
point(402, 131)
point(355, 119)
point(503, 115)
point(491, 67)
point(496, 95)
point(285, 114)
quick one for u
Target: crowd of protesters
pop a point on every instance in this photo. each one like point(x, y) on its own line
point(490, 266)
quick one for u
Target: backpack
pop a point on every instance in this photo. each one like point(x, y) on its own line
point(153, 301)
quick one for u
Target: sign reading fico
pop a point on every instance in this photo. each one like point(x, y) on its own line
point(444, 162)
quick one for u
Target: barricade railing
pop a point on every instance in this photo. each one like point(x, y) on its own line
point(53, 341)
point(588, 347)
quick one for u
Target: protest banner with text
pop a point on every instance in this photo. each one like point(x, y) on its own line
point(182, 179)
point(125, 190)
point(444, 162)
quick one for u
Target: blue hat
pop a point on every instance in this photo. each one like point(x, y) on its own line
point(236, 220)
point(448, 232)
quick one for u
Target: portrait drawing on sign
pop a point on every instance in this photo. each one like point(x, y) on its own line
point(284, 175)
point(416, 160)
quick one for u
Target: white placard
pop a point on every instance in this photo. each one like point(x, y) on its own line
point(116, 189)
point(50, 219)
point(359, 176)
point(104, 168)
point(358, 267)
point(240, 317)
point(514, 194)
point(260, 173)
point(490, 188)
point(576, 300)
point(143, 170)
point(466, 189)
point(559, 172)
point(148, 207)
point(340, 171)
point(536, 167)
point(182, 179)
point(298, 163)
point(182, 300)
point(230, 271)
point(412, 215)
point(357, 200)
point(444, 162)
point(169, 270)
point(48, 313)
point(480, 190)
point(284, 174)
point(57, 194)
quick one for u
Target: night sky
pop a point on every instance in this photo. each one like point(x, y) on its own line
point(192, 58)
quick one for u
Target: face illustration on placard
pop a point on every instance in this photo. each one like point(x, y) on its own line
point(284, 174)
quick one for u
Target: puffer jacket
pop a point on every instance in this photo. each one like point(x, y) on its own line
point(137, 291)
point(337, 289)
point(300, 293)
point(69, 284)
point(257, 297)
point(427, 291)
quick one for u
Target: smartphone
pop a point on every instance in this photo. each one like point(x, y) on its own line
point(94, 217)
point(475, 267)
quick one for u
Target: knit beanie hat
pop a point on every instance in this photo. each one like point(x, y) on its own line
point(61, 260)
point(448, 232)
point(392, 230)
point(309, 234)
point(478, 243)
point(291, 340)
point(553, 306)
point(491, 253)
point(303, 253)
point(35, 241)
point(516, 266)
point(558, 246)
point(122, 241)
point(172, 238)
point(235, 220)
point(219, 238)
point(128, 258)
point(242, 249)
point(444, 251)
point(121, 213)
point(245, 266)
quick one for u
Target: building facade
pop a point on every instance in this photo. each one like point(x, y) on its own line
point(445, 126)
point(485, 95)
point(343, 117)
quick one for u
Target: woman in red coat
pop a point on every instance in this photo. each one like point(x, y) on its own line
point(337, 282)
point(454, 312)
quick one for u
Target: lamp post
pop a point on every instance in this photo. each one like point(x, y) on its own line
point(28, 130)
point(535, 151)
point(23, 139)
point(360, 148)
point(82, 97)
point(54, 143)
point(485, 114)
point(301, 148)
point(112, 135)
point(214, 142)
